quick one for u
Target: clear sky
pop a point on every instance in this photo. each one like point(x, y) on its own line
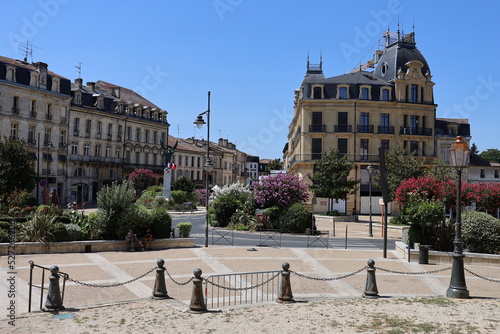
point(251, 55)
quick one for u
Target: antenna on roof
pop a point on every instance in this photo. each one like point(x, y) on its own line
point(79, 68)
point(27, 50)
point(178, 131)
point(220, 133)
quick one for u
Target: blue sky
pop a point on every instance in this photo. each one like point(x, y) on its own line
point(251, 55)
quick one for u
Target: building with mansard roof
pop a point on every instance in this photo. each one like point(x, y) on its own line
point(387, 102)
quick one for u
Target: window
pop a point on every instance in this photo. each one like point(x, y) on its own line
point(117, 152)
point(78, 98)
point(127, 156)
point(74, 149)
point(342, 92)
point(482, 174)
point(163, 135)
point(137, 157)
point(62, 138)
point(99, 129)
point(342, 146)
point(497, 175)
point(364, 149)
point(49, 111)
point(384, 143)
point(31, 134)
point(110, 131)
point(317, 92)
point(86, 149)
point(155, 159)
point(119, 133)
point(15, 105)
point(413, 147)
point(155, 137)
point(365, 93)
point(385, 95)
point(316, 148)
point(413, 125)
point(413, 93)
point(146, 158)
point(14, 131)
point(384, 124)
point(199, 162)
point(138, 134)
point(98, 150)
point(80, 172)
point(47, 137)
point(76, 126)
point(33, 108)
point(88, 128)
point(112, 173)
point(129, 133)
point(146, 136)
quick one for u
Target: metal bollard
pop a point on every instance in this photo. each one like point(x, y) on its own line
point(286, 288)
point(160, 288)
point(371, 290)
point(197, 301)
point(54, 300)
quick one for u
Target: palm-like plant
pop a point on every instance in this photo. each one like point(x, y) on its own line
point(38, 229)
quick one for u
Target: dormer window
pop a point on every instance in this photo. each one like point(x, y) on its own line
point(78, 98)
point(56, 84)
point(385, 94)
point(413, 93)
point(34, 79)
point(342, 92)
point(11, 74)
point(317, 92)
point(365, 93)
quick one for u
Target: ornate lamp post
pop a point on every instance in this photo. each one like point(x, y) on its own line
point(208, 163)
point(459, 159)
point(370, 171)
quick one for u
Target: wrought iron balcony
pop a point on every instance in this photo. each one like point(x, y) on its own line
point(386, 129)
point(317, 128)
point(415, 131)
point(343, 128)
point(365, 128)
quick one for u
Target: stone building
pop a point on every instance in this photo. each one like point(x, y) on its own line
point(34, 106)
point(387, 102)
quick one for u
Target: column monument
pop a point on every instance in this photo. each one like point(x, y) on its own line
point(167, 152)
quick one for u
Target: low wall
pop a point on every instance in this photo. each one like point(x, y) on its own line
point(445, 257)
point(88, 246)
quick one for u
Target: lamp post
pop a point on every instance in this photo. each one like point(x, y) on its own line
point(208, 163)
point(38, 170)
point(459, 159)
point(370, 170)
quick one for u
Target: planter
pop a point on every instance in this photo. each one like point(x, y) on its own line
point(88, 246)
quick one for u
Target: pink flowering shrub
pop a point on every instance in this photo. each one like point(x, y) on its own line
point(280, 190)
point(142, 178)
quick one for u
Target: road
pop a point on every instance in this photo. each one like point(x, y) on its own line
point(223, 237)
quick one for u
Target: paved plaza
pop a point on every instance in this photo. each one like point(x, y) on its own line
point(115, 267)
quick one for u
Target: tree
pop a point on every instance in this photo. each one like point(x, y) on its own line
point(280, 190)
point(474, 152)
point(183, 183)
point(330, 176)
point(276, 164)
point(17, 170)
point(142, 179)
point(419, 190)
point(400, 166)
point(491, 154)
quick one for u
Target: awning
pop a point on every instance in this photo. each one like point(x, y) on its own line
point(47, 157)
point(32, 156)
point(62, 158)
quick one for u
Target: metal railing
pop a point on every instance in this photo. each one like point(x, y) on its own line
point(241, 288)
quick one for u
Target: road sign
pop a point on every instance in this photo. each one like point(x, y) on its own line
point(260, 218)
point(43, 183)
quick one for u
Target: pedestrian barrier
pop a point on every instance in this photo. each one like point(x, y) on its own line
point(220, 289)
point(271, 236)
point(318, 237)
point(220, 234)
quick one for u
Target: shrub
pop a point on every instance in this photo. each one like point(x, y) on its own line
point(153, 191)
point(38, 229)
point(179, 196)
point(281, 190)
point(236, 190)
point(184, 229)
point(201, 196)
point(59, 232)
point(481, 232)
point(159, 202)
point(224, 207)
point(146, 200)
point(295, 219)
point(135, 218)
point(51, 210)
point(426, 218)
point(272, 217)
point(161, 223)
point(113, 202)
point(182, 183)
point(142, 179)
point(74, 232)
point(92, 227)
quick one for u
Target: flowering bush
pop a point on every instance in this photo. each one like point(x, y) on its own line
point(236, 189)
point(419, 189)
point(142, 179)
point(281, 190)
point(201, 196)
point(486, 196)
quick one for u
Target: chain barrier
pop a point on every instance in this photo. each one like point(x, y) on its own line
point(178, 283)
point(413, 273)
point(328, 279)
point(485, 278)
point(110, 285)
point(242, 289)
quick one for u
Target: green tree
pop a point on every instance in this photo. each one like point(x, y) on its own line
point(17, 170)
point(330, 176)
point(400, 166)
point(474, 152)
point(183, 183)
point(491, 154)
point(276, 164)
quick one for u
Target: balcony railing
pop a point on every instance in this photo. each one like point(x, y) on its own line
point(87, 134)
point(76, 133)
point(33, 114)
point(63, 119)
point(317, 128)
point(98, 135)
point(415, 131)
point(343, 128)
point(365, 128)
point(48, 117)
point(386, 129)
point(15, 111)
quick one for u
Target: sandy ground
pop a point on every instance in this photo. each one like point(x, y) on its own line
point(383, 315)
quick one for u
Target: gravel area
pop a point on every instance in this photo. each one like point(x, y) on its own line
point(384, 315)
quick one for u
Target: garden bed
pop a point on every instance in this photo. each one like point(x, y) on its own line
point(88, 246)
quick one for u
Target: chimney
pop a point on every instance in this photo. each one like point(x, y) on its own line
point(115, 91)
point(224, 141)
point(42, 78)
point(79, 82)
point(221, 142)
point(91, 85)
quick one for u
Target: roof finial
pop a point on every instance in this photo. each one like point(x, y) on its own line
point(321, 60)
point(398, 29)
point(307, 59)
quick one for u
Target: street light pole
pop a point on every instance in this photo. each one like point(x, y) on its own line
point(38, 171)
point(369, 169)
point(459, 158)
point(208, 163)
